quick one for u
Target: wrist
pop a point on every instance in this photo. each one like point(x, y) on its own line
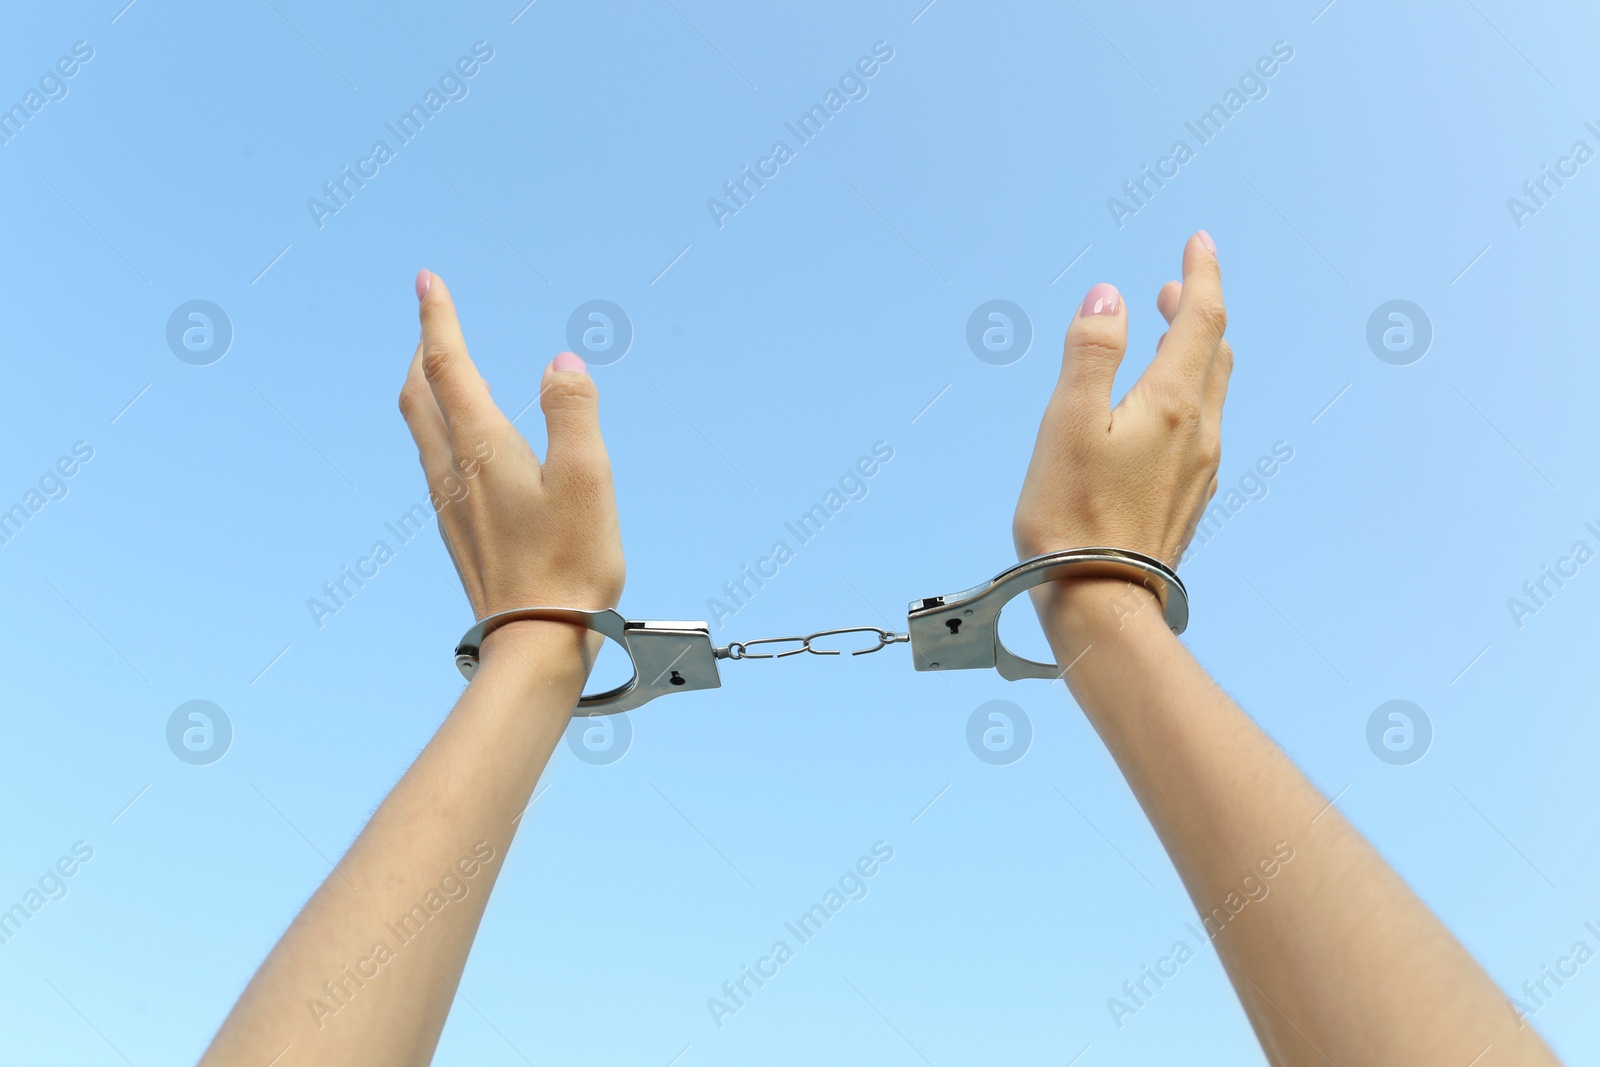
point(539, 654)
point(1078, 613)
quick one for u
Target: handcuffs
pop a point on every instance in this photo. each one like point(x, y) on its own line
point(957, 631)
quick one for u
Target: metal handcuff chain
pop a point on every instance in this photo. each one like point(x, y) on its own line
point(957, 631)
point(741, 649)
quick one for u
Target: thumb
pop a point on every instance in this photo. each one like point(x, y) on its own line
point(571, 404)
point(1096, 341)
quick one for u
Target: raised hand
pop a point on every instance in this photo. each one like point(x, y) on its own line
point(1139, 475)
point(521, 532)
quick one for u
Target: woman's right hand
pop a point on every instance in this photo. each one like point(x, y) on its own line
point(1137, 476)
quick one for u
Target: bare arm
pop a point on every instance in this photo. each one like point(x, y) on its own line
point(367, 972)
point(1333, 957)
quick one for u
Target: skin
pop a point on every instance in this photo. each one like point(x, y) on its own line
point(520, 532)
point(1340, 962)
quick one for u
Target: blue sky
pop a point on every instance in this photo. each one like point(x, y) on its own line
point(768, 354)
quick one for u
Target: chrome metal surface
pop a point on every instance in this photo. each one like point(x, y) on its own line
point(741, 649)
point(957, 631)
point(667, 657)
point(960, 631)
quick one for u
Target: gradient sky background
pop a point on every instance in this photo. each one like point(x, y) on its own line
point(768, 356)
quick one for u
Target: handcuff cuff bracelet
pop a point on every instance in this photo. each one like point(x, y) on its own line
point(957, 631)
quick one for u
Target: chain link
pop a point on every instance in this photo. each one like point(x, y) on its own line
point(741, 649)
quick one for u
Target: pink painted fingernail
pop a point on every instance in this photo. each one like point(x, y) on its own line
point(1205, 239)
point(1103, 299)
point(569, 361)
point(424, 280)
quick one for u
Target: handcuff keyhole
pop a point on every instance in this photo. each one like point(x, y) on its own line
point(954, 624)
point(676, 679)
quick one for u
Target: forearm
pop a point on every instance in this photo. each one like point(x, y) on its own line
point(1332, 955)
point(367, 972)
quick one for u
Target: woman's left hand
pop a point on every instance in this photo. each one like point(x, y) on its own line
point(522, 533)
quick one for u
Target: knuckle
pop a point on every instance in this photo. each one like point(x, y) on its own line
point(437, 359)
point(571, 393)
point(415, 399)
point(1097, 345)
point(1180, 412)
point(1212, 313)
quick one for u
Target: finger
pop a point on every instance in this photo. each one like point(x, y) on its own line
point(1096, 342)
point(1216, 387)
point(1199, 321)
point(1167, 304)
point(426, 424)
point(571, 404)
point(1217, 375)
point(1167, 300)
point(459, 390)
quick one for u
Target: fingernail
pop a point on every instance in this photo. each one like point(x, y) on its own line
point(1103, 299)
point(424, 280)
point(568, 361)
point(1205, 239)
